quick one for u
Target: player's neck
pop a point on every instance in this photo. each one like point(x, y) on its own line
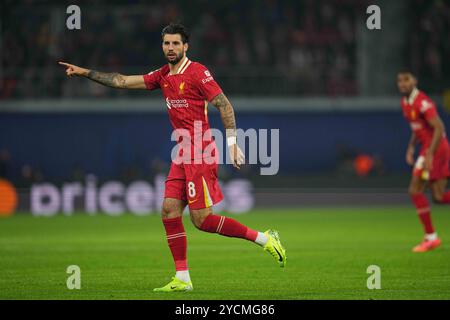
point(174, 68)
point(412, 95)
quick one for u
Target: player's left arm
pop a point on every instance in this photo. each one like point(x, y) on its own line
point(226, 110)
point(438, 129)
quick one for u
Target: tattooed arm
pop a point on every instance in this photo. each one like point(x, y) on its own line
point(113, 80)
point(222, 103)
point(226, 110)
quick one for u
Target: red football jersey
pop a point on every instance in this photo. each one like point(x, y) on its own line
point(187, 94)
point(417, 109)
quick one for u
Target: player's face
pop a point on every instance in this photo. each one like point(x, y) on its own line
point(173, 47)
point(406, 83)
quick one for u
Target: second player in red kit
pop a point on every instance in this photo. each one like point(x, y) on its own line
point(433, 158)
point(188, 87)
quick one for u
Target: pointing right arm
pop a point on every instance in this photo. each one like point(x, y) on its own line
point(113, 80)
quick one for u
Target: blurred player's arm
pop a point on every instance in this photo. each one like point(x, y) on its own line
point(113, 80)
point(439, 128)
point(226, 110)
point(410, 150)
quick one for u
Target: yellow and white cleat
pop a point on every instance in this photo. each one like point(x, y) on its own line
point(274, 247)
point(176, 285)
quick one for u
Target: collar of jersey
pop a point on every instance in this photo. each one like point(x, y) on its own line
point(412, 96)
point(183, 66)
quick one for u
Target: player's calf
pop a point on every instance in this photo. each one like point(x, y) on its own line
point(206, 221)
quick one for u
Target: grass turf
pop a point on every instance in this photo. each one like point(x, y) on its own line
point(328, 251)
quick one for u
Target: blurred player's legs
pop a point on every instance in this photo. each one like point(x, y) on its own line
point(436, 178)
point(420, 201)
point(440, 195)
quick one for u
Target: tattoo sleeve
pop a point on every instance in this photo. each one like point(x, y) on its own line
point(114, 80)
point(222, 103)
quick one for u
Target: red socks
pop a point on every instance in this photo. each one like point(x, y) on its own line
point(227, 227)
point(176, 238)
point(423, 211)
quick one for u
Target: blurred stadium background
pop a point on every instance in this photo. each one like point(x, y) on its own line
point(310, 68)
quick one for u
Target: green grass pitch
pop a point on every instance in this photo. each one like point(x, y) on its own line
point(328, 251)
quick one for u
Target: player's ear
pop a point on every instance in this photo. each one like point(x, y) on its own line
point(186, 46)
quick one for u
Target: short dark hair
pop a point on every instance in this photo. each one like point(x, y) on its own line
point(406, 70)
point(176, 28)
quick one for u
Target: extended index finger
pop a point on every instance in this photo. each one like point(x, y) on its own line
point(65, 64)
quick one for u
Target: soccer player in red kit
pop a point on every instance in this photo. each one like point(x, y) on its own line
point(187, 87)
point(432, 164)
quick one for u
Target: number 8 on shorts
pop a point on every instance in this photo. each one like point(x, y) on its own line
point(191, 189)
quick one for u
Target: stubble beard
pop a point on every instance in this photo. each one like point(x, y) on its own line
point(178, 58)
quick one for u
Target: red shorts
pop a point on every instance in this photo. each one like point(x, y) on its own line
point(440, 168)
point(197, 184)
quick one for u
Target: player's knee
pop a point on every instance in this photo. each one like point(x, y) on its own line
point(167, 210)
point(437, 198)
point(165, 213)
point(197, 221)
point(413, 190)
